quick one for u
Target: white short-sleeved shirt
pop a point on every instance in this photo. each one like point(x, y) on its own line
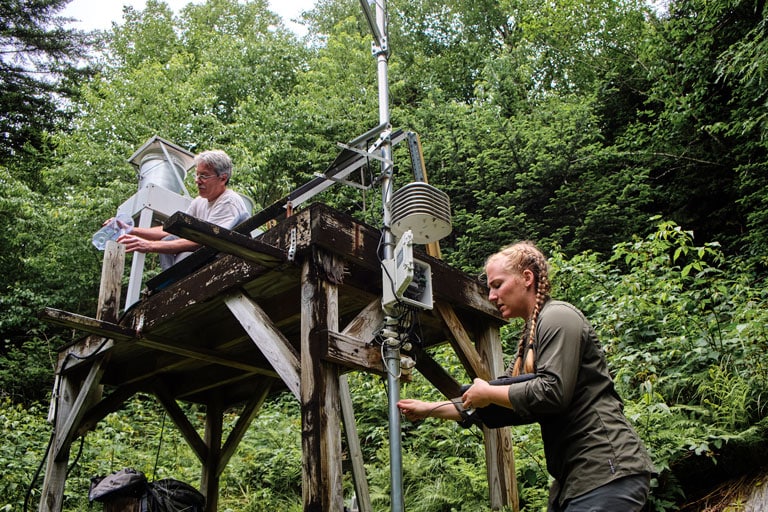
point(222, 212)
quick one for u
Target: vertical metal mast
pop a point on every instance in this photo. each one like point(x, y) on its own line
point(380, 49)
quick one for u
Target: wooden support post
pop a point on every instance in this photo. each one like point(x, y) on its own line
point(486, 359)
point(462, 344)
point(67, 424)
point(213, 455)
point(71, 398)
point(362, 327)
point(249, 412)
point(320, 415)
point(353, 444)
point(52, 495)
point(420, 174)
point(182, 423)
point(499, 457)
point(278, 350)
point(209, 480)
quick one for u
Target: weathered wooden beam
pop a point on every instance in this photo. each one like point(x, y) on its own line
point(191, 392)
point(52, 495)
point(367, 322)
point(341, 234)
point(354, 347)
point(223, 240)
point(278, 350)
point(181, 364)
point(66, 433)
point(216, 278)
point(120, 333)
point(87, 324)
point(320, 414)
point(203, 354)
point(247, 414)
point(499, 455)
point(353, 444)
point(351, 352)
point(461, 342)
point(209, 479)
point(112, 268)
point(182, 422)
point(216, 241)
point(362, 327)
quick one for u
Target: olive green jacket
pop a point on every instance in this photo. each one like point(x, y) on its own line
point(588, 442)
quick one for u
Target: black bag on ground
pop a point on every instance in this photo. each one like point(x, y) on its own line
point(161, 496)
point(124, 483)
point(173, 496)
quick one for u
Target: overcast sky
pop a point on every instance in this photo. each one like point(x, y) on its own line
point(99, 14)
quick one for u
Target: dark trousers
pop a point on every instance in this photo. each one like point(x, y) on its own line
point(627, 494)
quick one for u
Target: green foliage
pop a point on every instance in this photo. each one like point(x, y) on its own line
point(37, 67)
point(265, 474)
point(677, 325)
point(698, 128)
point(24, 437)
point(742, 66)
point(38, 238)
point(570, 123)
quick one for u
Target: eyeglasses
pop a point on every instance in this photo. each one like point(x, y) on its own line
point(205, 177)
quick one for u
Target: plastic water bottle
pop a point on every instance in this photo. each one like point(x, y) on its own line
point(121, 224)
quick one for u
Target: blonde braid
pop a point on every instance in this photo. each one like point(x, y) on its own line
point(519, 257)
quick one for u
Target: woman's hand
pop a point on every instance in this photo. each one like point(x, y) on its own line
point(414, 409)
point(478, 395)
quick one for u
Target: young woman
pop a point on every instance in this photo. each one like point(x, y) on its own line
point(596, 458)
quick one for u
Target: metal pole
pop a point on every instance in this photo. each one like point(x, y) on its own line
point(391, 350)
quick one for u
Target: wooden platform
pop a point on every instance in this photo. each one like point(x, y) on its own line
point(293, 309)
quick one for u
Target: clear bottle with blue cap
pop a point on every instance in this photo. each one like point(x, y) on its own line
point(121, 224)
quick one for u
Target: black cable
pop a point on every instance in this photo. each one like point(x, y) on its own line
point(84, 358)
point(438, 406)
point(37, 473)
point(159, 445)
point(77, 457)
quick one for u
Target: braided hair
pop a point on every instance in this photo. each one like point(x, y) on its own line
point(517, 258)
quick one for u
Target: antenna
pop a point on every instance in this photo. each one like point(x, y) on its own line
point(371, 19)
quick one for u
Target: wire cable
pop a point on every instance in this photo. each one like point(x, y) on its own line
point(159, 445)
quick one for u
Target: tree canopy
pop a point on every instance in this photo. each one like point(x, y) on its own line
point(38, 70)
